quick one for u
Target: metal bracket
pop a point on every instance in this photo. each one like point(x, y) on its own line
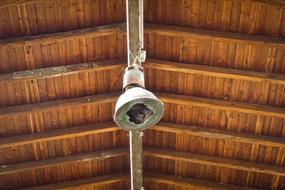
point(142, 55)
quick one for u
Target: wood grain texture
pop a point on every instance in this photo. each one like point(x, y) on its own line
point(40, 17)
point(58, 134)
point(89, 183)
point(218, 65)
point(213, 161)
point(220, 134)
point(8, 169)
point(179, 182)
point(242, 16)
point(224, 105)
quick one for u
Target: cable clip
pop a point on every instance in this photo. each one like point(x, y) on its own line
point(142, 55)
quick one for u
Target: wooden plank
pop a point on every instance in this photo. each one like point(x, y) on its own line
point(58, 134)
point(213, 133)
point(81, 183)
point(61, 70)
point(96, 31)
point(184, 32)
point(190, 183)
point(223, 105)
point(31, 165)
point(56, 104)
point(279, 3)
point(215, 71)
point(8, 3)
point(214, 161)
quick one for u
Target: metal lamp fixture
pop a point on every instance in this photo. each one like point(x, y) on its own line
point(137, 108)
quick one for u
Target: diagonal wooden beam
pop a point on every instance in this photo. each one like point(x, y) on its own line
point(223, 105)
point(56, 104)
point(61, 70)
point(49, 72)
point(82, 183)
point(186, 32)
point(7, 3)
point(215, 71)
point(165, 97)
point(95, 31)
point(149, 29)
point(214, 161)
point(279, 3)
point(101, 155)
point(190, 183)
point(58, 134)
point(220, 134)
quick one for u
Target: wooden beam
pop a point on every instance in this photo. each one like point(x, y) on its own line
point(279, 3)
point(61, 70)
point(165, 97)
point(150, 63)
point(165, 127)
point(190, 183)
point(186, 32)
point(220, 134)
point(82, 183)
point(101, 155)
point(223, 105)
point(95, 31)
point(7, 3)
point(58, 134)
point(214, 161)
point(215, 71)
point(64, 103)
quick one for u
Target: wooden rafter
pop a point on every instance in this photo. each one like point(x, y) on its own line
point(223, 105)
point(214, 161)
point(153, 152)
point(65, 103)
point(58, 134)
point(184, 32)
point(165, 127)
point(61, 70)
point(73, 35)
point(189, 183)
point(96, 181)
point(101, 155)
point(7, 3)
point(150, 63)
point(165, 97)
point(215, 71)
point(148, 177)
point(149, 28)
point(220, 134)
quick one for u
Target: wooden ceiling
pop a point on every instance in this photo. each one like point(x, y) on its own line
point(218, 66)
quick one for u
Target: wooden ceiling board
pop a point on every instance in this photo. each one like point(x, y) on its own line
point(240, 16)
point(39, 17)
point(218, 66)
